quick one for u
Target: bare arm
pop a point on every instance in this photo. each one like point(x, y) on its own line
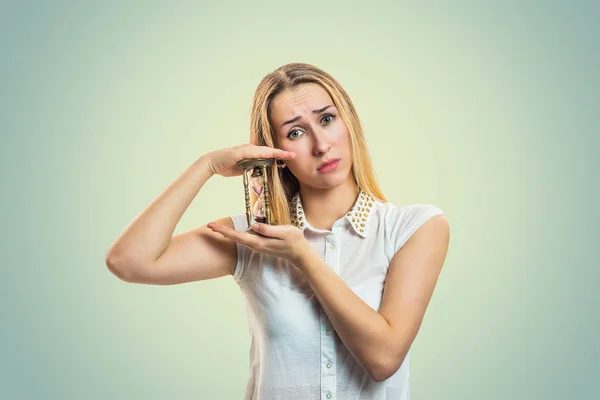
point(147, 237)
point(195, 255)
point(147, 252)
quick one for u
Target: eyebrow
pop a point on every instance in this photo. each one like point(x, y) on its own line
point(320, 110)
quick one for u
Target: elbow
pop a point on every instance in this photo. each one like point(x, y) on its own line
point(119, 267)
point(381, 374)
point(384, 368)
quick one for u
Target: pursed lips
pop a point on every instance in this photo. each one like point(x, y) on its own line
point(328, 163)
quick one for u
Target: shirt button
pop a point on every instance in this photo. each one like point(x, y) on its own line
point(328, 395)
point(332, 246)
point(328, 365)
point(328, 332)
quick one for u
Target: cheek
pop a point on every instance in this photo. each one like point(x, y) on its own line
point(303, 165)
point(341, 136)
point(303, 156)
point(297, 146)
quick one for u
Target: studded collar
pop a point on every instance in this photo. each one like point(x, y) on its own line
point(358, 216)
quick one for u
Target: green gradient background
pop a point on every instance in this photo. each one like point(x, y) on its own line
point(488, 111)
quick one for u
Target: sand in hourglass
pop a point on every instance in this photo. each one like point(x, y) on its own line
point(259, 210)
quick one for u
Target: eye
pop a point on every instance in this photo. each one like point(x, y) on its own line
point(292, 135)
point(331, 117)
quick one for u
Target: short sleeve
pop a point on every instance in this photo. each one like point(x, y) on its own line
point(404, 221)
point(243, 252)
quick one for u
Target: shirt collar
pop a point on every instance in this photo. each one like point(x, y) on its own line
point(358, 216)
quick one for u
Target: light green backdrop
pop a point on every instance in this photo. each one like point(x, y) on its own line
point(488, 111)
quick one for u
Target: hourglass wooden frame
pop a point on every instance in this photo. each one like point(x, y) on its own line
point(258, 166)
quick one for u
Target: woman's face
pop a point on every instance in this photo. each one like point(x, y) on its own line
point(306, 122)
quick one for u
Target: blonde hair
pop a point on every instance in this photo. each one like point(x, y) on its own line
point(282, 183)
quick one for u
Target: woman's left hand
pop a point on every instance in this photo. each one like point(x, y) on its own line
point(285, 241)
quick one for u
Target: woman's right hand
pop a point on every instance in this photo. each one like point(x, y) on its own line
point(224, 161)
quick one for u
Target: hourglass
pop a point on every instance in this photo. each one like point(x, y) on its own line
point(256, 190)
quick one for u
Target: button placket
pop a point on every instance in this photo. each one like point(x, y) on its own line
point(328, 356)
point(331, 253)
point(331, 240)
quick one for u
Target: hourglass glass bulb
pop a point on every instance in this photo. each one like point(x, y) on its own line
point(257, 184)
point(259, 209)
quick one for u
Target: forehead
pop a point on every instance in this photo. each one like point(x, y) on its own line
point(302, 99)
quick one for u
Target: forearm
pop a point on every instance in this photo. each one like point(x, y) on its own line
point(150, 233)
point(363, 330)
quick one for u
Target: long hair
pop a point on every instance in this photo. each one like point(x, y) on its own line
point(282, 183)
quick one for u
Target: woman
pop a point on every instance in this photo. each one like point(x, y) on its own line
point(336, 288)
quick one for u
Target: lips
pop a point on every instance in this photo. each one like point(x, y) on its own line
point(328, 164)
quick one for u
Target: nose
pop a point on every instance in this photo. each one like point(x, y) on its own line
point(321, 143)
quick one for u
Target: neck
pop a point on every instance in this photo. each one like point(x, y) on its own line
point(322, 207)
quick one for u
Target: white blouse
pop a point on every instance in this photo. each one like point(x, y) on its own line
point(294, 350)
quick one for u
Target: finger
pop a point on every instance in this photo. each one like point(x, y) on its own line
point(272, 231)
point(269, 152)
point(284, 155)
point(241, 237)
